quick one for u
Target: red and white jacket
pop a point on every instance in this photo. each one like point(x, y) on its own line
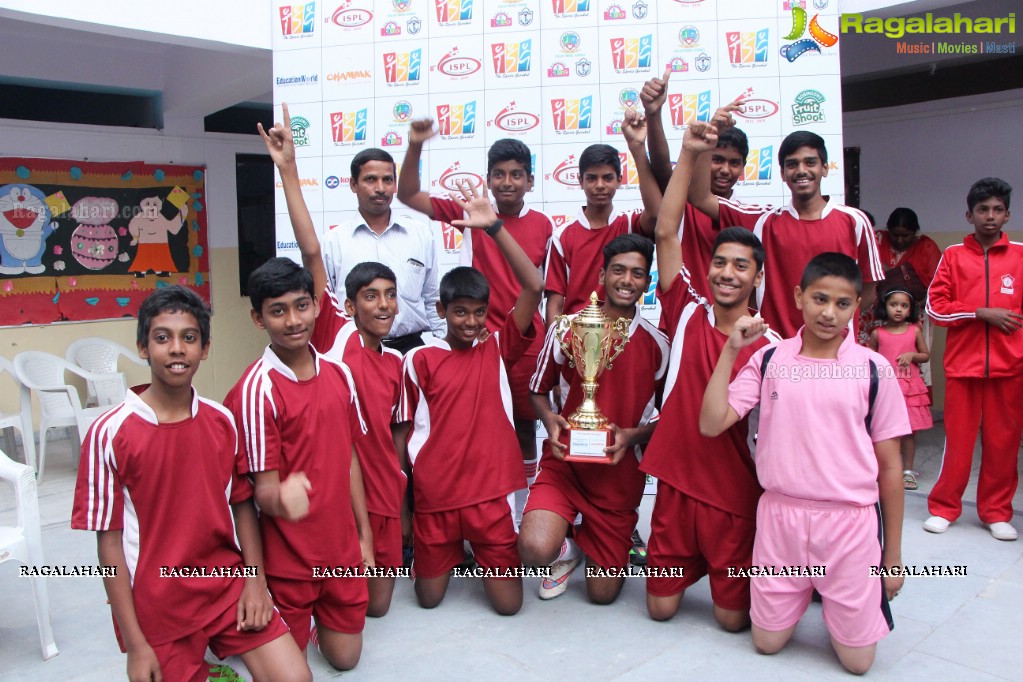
point(968, 279)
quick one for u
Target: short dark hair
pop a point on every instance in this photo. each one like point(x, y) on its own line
point(507, 149)
point(367, 155)
point(742, 236)
point(985, 188)
point(736, 139)
point(599, 155)
point(801, 138)
point(627, 243)
point(881, 306)
point(832, 264)
point(903, 217)
point(363, 274)
point(173, 299)
point(276, 277)
point(464, 282)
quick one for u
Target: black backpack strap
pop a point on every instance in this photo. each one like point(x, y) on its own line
point(765, 360)
point(875, 381)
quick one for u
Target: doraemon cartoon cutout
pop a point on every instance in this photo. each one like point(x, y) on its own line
point(25, 225)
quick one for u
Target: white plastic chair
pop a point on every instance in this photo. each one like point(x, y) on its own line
point(100, 356)
point(17, 420)
point(24, 543)
point(59, 404)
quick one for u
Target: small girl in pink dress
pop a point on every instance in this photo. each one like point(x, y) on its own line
point(901, 341)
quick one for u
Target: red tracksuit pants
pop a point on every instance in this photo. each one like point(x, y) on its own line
point(995, 408)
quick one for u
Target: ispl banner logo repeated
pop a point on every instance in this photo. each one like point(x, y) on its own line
point(512, 58)
point(453, 11)
point(349, 126)
point(570, 8)
point(298, 20)
point(403, 67)
point(347, 16)
point(747, 47)
point(512, 120)
point(759, 164)
point(689, 107)
point(456, 119)
point(632, 53)
point(572, 114)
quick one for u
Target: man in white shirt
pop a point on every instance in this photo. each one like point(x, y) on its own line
point(407, 246)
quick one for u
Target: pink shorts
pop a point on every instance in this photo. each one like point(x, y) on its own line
point(386, 540)
point(703, 540)
point(812, 535)
point(183, 659)
point(339, 604)
point(488, 526)
point(519, 375)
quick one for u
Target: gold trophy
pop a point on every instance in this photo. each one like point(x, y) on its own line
point(590, 347)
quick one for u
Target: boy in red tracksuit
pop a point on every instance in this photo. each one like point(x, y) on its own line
point(978, 293)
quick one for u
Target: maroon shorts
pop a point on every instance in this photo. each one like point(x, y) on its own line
point(488, 526)
point(386, 540)
point(518, 381)
point(338, 604)
point(702, 540)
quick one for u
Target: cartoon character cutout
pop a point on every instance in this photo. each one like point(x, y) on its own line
point(25, 225)
point(150, 229)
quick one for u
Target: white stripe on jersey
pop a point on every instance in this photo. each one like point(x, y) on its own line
point(421, 418)
point(256, 393)
point(950, 317)
point(353, 392)
point(102, 463)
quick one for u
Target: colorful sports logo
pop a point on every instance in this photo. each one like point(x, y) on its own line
point(687, 108)
point(759, 164)
point(650, 296)
point(297, 20)
point(572, 114)
point(451, 11)
point(689, 36)
point(453, 64)
point(512, 57)
point(570, 41)
point(566, 173)
point(300, 131)
point(391, 139)
point(756, 108)
point(391, 28)
point(632, 53)
point(347, 16)
point(403, 67)
point(456, 119)
point(451, 238)
point(628, 97)
point(807, 108)
point(558, 70)
point(402, 111)
point(615, 13)
point(678, 65)
point(630, 176)
point(569, 7)
point(401, 5)
point(747, 47)
point(515, 121)
point(349, 126)
point(500, 20)
point(818, 36)
point(453, 178)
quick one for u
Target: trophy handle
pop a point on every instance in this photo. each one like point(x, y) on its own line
point(561, 327)
point(621, 325)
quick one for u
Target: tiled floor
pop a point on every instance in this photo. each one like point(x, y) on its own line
point(953, 628)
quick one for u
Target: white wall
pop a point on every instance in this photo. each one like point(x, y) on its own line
point(926, 156)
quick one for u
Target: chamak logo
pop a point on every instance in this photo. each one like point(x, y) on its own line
point(632, 53)
point(572, 114)
point(514, 121)
point(747, 47)
point(349, 126)
point(453, 11)
point(686, 108)
point(818, 36)
point(451, 64)
point(512, 58)
point(563, 8)
point(756, 108)
point(347, 16)
point(759, 163)
point(403, 67)
point(298, 20)
point(451, 237)
point(453, 177)
point(566, 173)
point(807, 108)
point(300, 131)
point(456, 119)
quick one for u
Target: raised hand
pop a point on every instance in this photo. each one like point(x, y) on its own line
point(421, 130)
point(746, 331)
point(634, 127)
point(278, 140)
point(700, 136)
point(654, 92)
point(475, 204)
point(722, 118)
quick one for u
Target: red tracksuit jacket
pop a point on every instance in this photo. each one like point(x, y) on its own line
point(968, 279)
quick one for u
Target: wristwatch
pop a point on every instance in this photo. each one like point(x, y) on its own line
point(493, 229)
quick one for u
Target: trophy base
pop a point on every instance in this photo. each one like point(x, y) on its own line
point(587, 445)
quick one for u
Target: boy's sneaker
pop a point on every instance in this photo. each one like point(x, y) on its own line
point(568, 561)
point(937, 524)
point(637, 555)
point(1003, 530)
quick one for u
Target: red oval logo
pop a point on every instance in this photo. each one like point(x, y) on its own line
point(350, 18)
point(567, 175)
point(459, 66)
point(517, 121)
point(452, 181)
point(758, 108)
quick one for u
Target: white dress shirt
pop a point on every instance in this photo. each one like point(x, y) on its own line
point(408, 247)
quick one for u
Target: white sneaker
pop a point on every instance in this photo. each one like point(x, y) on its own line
point(567, 561)
point(1003, 530)
point(937, 524)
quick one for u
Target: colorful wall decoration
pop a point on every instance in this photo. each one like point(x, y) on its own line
point(88, 241)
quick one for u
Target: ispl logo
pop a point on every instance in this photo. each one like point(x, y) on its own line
point(452, 11)
point(632, 53)
point(453, 178)
point(572, 114)
point(615, 13)
point(511, 57)
point(349, 126)
point(687, 108)
point(403, 67)
point(566, 173)
point(451, 64)
point(807, 108)
point(298, 20)
point(451, 237)
point(347, 16)
point(759, 164)
point(300, 131)
point(756, 108)
point(747, 47)
point(513, 121)
point(456, 119)
point(569, 7)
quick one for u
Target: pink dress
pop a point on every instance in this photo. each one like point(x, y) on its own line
point(891, 346)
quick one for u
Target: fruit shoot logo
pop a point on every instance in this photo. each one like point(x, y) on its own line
point(818, 36)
